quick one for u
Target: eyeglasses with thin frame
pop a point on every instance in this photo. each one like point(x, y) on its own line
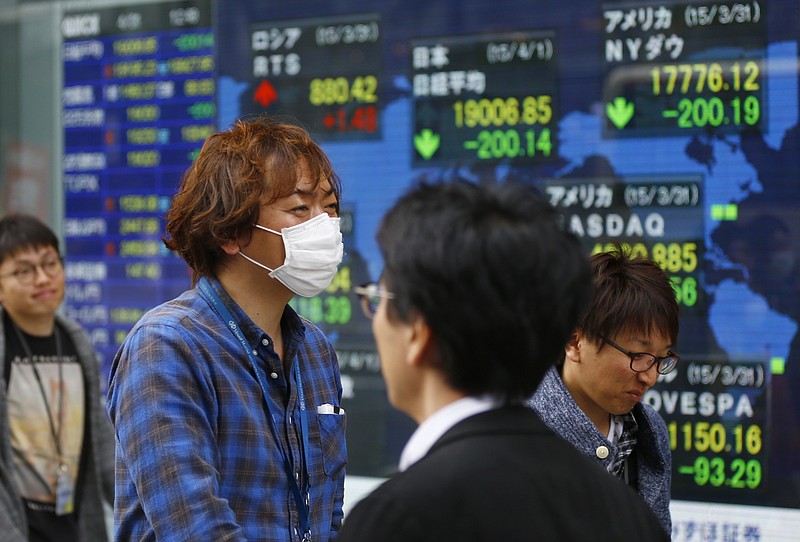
point(371, 295)
point(642, 361)
point(25, 273)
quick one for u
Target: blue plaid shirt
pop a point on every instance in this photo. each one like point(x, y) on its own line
point(196, 458)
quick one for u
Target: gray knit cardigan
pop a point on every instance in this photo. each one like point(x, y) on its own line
point(555, 405)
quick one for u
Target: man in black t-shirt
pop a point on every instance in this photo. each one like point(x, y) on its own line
point(56, 465)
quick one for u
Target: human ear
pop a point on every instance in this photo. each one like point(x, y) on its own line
point(572, 350)
point(231, 248)
point(420, 341)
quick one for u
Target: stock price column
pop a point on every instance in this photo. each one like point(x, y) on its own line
point(484, 99)
point(138, 102)
point(717, 418)
point(325, 73)
point(674, 69)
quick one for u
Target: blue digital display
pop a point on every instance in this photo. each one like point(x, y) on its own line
point(671, 127)
point(139, 99)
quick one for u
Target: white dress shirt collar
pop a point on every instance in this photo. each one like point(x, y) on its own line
point(437, 425)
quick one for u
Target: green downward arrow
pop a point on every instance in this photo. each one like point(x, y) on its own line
point(620, 112)
point(426, 143)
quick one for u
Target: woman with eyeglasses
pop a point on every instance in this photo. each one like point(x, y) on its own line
point(593, 396)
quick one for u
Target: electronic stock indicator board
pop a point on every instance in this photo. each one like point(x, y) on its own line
point(138, 102)
point(485, 98)
point(632, 117)
point(684, 68)
point(325, 73)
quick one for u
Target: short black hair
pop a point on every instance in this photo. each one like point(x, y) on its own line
point(495, 276)
point(20, 231)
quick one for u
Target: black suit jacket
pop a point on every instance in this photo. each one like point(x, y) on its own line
point(502, 476)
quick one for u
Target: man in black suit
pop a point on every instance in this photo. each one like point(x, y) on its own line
point(480, 290)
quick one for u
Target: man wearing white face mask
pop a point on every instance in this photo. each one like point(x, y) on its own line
point(313, 252)
point(225, 402)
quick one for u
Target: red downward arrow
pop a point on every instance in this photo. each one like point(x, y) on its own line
point(265, 94)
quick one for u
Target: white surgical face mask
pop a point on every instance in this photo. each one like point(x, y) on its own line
point(314, 251)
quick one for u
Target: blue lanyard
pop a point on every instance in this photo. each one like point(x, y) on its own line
point(303, 506)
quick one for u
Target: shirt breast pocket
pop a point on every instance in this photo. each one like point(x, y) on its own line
point(332, 442)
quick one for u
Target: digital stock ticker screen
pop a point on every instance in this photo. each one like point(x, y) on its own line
point(669, 127)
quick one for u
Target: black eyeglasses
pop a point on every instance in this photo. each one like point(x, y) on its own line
point(371, 295)
point(25, 273)
point(642, 361)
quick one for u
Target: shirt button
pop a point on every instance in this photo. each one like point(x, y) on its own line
point(601, 452)
point(265, 342)
point(273, 375)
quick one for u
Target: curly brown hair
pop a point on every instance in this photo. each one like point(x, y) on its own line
point(256, 162)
